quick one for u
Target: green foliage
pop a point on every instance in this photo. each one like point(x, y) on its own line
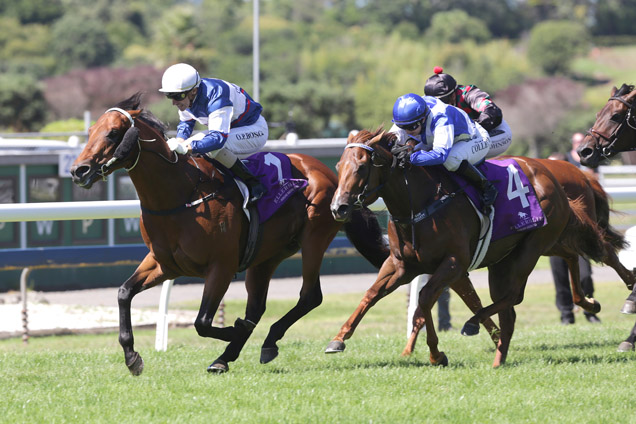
point(33, 11)
point(22, 104)
point(81, 42)
point(456, 26)
point(554, 44)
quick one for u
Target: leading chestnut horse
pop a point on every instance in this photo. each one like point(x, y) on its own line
point(614, 132)
point(192, 221)
point(444, 238)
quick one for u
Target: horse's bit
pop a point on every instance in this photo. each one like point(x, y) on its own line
point(608, 150)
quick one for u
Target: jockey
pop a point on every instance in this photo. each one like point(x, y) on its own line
point(236, 127)
point(476, 103)
point(445, 135)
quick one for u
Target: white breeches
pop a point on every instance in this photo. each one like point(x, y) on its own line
point(500, 140)
point(473, 150)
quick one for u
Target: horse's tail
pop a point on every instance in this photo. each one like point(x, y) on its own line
point(601, 201)
point(364, 232)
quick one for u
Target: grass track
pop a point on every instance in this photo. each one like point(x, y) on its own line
point(554, 374)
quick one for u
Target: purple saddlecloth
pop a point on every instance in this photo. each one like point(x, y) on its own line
point(274, 171)
point(517, 207)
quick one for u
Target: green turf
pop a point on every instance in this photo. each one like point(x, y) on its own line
point(554, 373)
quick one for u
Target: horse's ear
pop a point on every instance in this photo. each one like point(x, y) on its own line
point(134, 113)
point(614, 89)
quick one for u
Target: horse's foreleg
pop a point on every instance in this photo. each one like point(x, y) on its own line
point(388, 280)
point(147, 275)
point(507, 320)
point(628, 277)
point(628, 344)
point(418, 323)
point(464, 288)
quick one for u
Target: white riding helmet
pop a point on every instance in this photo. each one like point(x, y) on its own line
point(179, 78)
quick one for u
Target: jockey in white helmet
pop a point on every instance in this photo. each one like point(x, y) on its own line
point(236, 127)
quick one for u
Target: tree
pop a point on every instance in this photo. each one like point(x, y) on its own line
point(22, 104)
point(81, 42)
point(554, 44)
point(456, 26)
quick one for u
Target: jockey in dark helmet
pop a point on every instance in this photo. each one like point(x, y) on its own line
point(476, 103)
point(444, 135)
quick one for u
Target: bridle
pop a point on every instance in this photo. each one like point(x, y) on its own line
point(105, 168)
point(376, 158)
point(629, 120)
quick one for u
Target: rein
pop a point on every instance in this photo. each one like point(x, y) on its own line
point(607, 151)
point(105, 168)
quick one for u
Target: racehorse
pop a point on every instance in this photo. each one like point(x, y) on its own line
point(443, 239)
point(193, 222)
point(590, 195)
point(614, 130)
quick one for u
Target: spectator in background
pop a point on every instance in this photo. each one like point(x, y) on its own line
point(558, 265)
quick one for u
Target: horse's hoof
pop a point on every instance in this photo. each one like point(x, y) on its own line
point(335, 346)
point(441, 361)
point(137, 365)
point(629, 307)
point(597, 306)
point(470, 329)
point(625, 347)
point(218, 367)
point(268, 354)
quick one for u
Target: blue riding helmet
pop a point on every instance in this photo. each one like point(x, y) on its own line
point(408, 109)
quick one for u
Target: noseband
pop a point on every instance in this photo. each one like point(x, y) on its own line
point(104, 168)
point(607, 151)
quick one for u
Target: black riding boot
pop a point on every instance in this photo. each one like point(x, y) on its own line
point(471, 173)
point(256, 188)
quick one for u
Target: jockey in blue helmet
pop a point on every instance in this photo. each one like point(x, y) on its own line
point(444, 135)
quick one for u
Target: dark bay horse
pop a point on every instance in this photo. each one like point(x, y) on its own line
point(444, 242)
point(585, 190)
point(193, 223)
point(614, 130)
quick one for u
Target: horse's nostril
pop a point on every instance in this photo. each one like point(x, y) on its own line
point(79, 171)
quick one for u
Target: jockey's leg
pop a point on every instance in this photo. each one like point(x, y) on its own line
point(231, 161)
point(474, 175)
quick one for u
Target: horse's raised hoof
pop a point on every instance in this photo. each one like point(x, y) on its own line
point(268, 354)
point(440, 361)
point(470, 329)
point(335, 346)
point(629, 307)
point(597, 306)
point(136, 366)
point(218, 367)
point(625, 347)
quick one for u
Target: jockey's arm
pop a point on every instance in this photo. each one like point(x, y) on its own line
point(219, 122)
point(443, 136)
point(490, 115)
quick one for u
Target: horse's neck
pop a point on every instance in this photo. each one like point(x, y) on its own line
point(409, 191)
point(162, 183)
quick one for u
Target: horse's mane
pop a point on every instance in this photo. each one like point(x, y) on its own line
point(625, 89)
point(133, 102)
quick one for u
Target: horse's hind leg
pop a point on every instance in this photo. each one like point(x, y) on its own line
point(578, 297)
point(507, 320)
point(313, 248)
point(147, 275)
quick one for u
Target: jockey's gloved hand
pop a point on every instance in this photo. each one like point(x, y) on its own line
point(402, 155)
point(176, 146)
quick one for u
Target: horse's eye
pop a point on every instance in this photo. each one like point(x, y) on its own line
point(113, 135)
point(617, 117)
